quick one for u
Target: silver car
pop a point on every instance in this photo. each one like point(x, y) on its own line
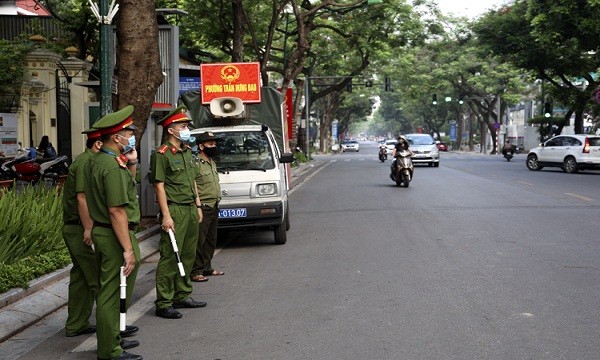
point(569, 152)
point(424, 148)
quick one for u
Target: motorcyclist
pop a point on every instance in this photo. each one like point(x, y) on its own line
point(507, 148)
point(401, 145)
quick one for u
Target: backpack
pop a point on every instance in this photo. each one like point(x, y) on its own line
point(50, 151)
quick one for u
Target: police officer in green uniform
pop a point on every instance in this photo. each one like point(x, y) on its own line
point(209, 190)
point(112, 202)
point(77, 234)
point(173, 173)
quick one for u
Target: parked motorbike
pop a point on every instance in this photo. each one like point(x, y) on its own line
point(382, 153)
point(23, 168)
point(403, 170)
point(518, 149)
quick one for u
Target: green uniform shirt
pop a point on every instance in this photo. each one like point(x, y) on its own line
point(176, 169)
point(209, 189)
point(74, 185)
point(108, 183)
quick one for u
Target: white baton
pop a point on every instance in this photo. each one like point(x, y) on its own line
point(176, 250)
point(123, 301)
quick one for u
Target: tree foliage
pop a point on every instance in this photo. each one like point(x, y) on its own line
point(556, 40)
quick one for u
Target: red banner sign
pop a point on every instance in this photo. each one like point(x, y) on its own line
point(240, 80)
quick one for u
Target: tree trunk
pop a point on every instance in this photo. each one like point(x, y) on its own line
point(238, 31)
point(138, 59)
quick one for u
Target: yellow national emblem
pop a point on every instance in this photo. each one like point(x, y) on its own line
point(230, 73)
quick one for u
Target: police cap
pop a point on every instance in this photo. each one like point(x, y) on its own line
point(175, 116)
point(115, 122)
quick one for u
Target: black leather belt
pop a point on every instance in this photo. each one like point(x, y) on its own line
point(169, 202)
point(73, 222)
point(131, 226)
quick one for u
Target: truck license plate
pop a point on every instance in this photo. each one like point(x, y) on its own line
point(232, 213)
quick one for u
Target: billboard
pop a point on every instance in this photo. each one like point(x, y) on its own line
point(240, 80)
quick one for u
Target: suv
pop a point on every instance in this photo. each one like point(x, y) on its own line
point(569, 152)
point(424, 149)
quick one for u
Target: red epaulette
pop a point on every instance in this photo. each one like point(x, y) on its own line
point(122, 163)
point(162, 149)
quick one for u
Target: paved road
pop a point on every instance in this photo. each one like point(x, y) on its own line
point(477, 259)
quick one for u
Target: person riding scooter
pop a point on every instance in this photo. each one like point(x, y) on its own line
point(401, 145)
point(508, 150)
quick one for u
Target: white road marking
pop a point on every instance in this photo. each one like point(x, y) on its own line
point(580, 197)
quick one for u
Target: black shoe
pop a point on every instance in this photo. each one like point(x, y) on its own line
point(129, 344)
point(168, 313)
point(188, 303)
point(90, 330)
point(127, 356)
point(130, 330)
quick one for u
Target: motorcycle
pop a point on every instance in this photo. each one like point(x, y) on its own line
point(402, 172)
point(382, 153)
point(508, 154)
point(23, 168)
point(518, 149)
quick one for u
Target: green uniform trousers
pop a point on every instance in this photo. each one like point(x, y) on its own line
point(170, 285)
point(83, 280)
point(109, 255)
point(207, 242)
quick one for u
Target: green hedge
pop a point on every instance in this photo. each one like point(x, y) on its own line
point(31, 223)
point(31, 243)
point(21, 272)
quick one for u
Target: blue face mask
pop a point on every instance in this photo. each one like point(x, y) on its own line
point(184, 135)
point(130, 146)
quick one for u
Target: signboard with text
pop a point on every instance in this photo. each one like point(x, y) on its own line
point(8, 133)
point(240, 80)
point(188, 84)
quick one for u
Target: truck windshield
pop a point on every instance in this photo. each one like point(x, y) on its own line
point(244, 151)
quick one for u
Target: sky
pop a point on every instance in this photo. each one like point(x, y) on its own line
point(468, 8)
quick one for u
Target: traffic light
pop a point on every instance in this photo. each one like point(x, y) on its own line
point(434, 99)
point(388, 84)
point(349, 87)
point(461, 99)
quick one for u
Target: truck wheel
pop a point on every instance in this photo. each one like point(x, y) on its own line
point(280, 234)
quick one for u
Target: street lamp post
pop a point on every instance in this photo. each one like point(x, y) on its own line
point(104, 14)
point(105, 93)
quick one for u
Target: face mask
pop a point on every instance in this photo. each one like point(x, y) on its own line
point(210, 151)
point(130, 146)
point(184, 135)
point(192, 141)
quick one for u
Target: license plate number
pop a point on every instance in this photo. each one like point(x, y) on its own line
point(232, 213)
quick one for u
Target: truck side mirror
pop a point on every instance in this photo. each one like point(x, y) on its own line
point(286, 158)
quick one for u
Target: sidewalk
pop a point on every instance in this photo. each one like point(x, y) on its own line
point(22, 308)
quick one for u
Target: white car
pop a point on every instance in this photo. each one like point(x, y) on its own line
point(390, 145)
point(350, 145)
point(569, 152)
point(424, 148)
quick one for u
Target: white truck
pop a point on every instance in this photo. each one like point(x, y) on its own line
point(253, 170)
